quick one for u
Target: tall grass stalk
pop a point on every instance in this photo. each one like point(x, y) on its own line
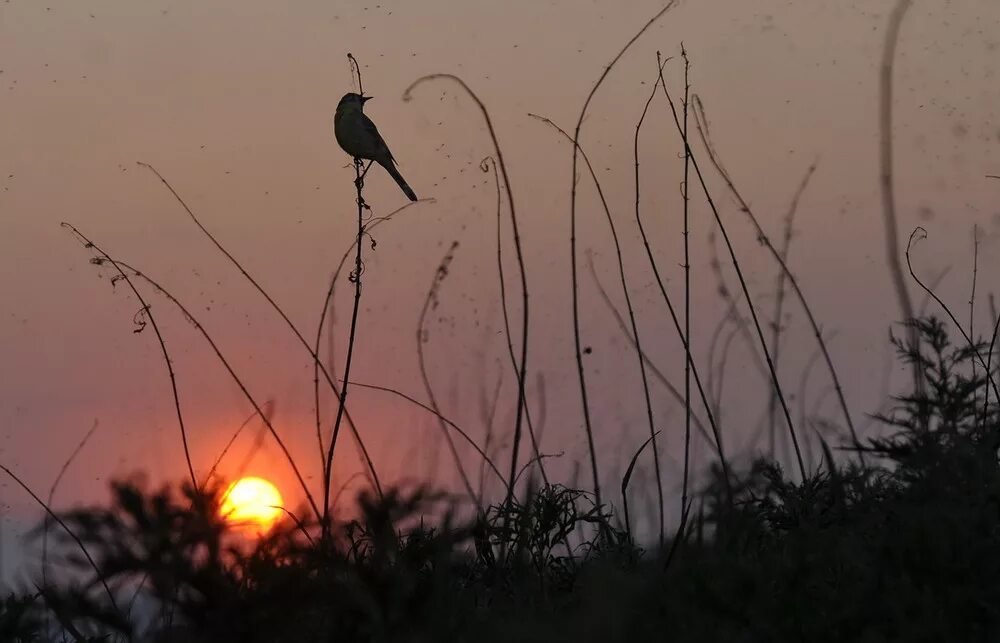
point(742, 280)
point(356, 276)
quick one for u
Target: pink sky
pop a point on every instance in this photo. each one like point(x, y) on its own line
point(233, 103)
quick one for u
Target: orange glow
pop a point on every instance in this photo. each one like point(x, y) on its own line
point(251, 502)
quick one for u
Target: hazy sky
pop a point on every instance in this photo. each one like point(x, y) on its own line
point(233, 100)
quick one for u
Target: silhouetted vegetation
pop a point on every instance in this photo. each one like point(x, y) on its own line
point(905, 548)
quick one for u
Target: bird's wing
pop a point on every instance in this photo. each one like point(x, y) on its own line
point(369, 127)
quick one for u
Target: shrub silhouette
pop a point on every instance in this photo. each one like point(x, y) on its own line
point(906, 548)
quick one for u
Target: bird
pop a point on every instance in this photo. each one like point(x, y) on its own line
point(357, 135)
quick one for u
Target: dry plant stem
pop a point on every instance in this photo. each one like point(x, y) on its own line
point(935, 282)
point(572, 246)
point(47, 523)
point(713, 344)
point(657, 373)
point(886, 179)
point(666, 297)
point(715, 263)
point(687, 287)
point(727, 344)
point(625, 481)
point(327, 306)
point(989, 357)
point(972, 296)
point(431, 301)
point(87, 243)
point(490, 417)
point(918, 234)
point(776, 326)
point(356, 69)
point(506, 320)
point(232, 373)
point(799, 294)
point(522, 373)
point(465, 436)
point(743, 285)
point(59, 521)
point(634, 332)
point(313, 353)
point(268, 407)
point(356, 278)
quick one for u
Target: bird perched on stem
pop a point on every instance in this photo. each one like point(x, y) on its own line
point(359, 137)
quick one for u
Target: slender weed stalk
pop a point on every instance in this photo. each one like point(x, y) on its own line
point(523, 366)
point(919, 234)
point(706, 402)
point(140, 321)
point(631, 315)
point(121, 267)
point(454, 427)
point(715, 160)
point(268, 407)
point(328, 307)
point(76, 539)
point(431, 302)
point(687, 285)
point(281, 313)
point(487, 164)
point(886, 180)
point(742, 280)
point(47, 522)
point(779, 304)
point(232, 373)
point(653, 368)
point(572, 245)
point(972, 295)
point(356, 275)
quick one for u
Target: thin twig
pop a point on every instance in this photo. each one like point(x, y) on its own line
point(796, 288)
point(523, 370)
point(218, 353)
point(281, 313)
point(442, 418)
point(743, 284)
point(572, 243)
point(47, 522)
point(484, 166)
point(431, 301)
point(359, 268)
point(657, 373)
point(687, 286)
point(918, 234)
point(972, 298)
point(886, 180)
point(59, 521)
point(631, 315)
point(269, 408)
point(141, 324)
point(314, 351)
point(776, 325)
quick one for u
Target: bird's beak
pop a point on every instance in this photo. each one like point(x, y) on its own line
point(365, 99)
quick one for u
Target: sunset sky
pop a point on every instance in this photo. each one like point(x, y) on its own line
point(232, 101)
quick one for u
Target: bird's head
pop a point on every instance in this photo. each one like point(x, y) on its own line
point(353, 101)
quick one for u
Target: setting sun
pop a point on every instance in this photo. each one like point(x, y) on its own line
point(251, 502)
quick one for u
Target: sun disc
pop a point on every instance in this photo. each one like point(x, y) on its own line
point(251, 502)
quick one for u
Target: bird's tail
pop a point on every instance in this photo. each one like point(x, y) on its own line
point(394, 173)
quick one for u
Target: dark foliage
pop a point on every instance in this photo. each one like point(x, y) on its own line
point(905, 549)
